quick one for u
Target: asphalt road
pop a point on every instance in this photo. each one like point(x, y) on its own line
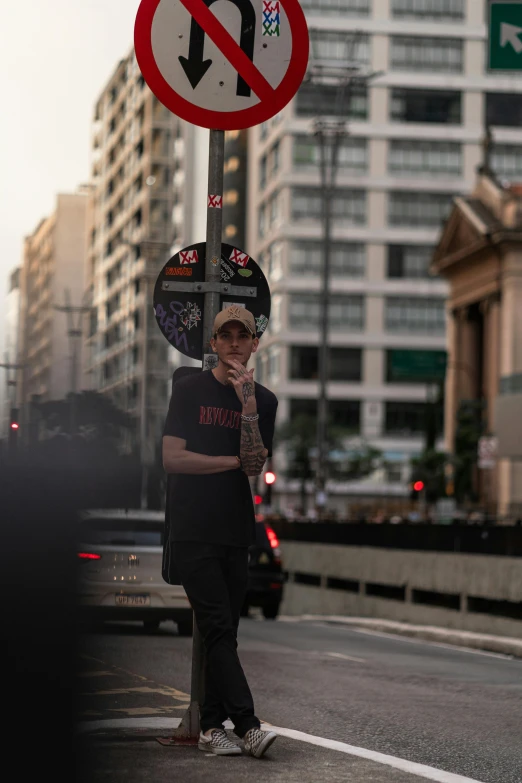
point(458, 711)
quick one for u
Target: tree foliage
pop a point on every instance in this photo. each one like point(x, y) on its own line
point(349, 458)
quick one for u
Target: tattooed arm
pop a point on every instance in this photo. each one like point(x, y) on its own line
point(253, 453)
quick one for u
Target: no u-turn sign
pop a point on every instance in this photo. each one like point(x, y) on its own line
point(227, 65)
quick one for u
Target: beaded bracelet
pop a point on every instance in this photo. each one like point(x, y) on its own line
point(250, 418)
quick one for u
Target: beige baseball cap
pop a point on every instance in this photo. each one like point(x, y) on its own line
point(235, 313)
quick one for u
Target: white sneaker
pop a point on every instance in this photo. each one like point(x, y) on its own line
point(258, 741)
point(218, 743)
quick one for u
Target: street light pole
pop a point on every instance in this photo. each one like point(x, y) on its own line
point(329, 138)
point(74, 332)
point(330, 134)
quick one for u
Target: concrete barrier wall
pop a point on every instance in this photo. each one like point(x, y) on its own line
point(470, 592)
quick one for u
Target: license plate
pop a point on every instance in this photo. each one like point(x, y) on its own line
point(132, 600)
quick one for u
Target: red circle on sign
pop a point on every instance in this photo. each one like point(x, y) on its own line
point(207, 118)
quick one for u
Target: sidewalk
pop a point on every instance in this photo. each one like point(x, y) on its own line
point(124, 755)
point(504, 645)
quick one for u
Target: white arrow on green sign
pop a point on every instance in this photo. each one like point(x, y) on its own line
point(505, 36)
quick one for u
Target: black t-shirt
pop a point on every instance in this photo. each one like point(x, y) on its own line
point(214, 508)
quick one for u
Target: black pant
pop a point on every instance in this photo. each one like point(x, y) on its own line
point(215, 580)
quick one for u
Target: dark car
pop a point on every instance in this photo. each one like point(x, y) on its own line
point(266, 577)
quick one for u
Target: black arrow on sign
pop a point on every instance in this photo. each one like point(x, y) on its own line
point(195, 66)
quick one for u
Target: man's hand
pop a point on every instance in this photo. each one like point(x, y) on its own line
point(243, 382)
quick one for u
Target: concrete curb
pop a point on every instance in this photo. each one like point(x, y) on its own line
point(504, 645)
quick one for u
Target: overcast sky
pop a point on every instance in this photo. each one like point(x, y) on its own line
point(55, 58)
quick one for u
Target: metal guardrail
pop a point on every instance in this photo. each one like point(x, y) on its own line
point(467, 539)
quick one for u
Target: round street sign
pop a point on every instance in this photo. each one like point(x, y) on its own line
point(226, 65)
point(179, 315)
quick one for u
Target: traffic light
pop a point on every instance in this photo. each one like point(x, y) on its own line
point(270, 478)
point(14, 427)
point(416, 488)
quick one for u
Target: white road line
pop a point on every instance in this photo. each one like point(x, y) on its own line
point(346, 657)
point(412, 767)
point(421, 770)
point(470, 650)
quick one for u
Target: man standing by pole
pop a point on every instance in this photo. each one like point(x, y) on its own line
point(261, 71)
point(219, 431)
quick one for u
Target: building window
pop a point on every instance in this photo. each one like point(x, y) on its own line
point(304, 363)
point(232, 164)
point(418, 210)
point(262, 172)
point(436, 10)
point(274, 210)
point(348, 206)
point(411, 261)
point(433, 106)
point(345, 414)
point(261, 221)
point(336, 7)
point(352, 155)
point(345, 311)
point(272, 364)
point(416, 53)
point(344, 363)
point(405, 418)
point(420, 158)
point(272, 261)
point(275, 159)
point(332, 45)
point(506, 161)
point(415, 315)
point(320, 100)
point(504, 109)
point(347, 259)
point(230, 197)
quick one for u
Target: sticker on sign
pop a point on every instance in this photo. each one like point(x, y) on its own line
point(226, 65)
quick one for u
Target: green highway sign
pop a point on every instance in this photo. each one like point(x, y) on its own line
point(412, 366)
point(505, 36)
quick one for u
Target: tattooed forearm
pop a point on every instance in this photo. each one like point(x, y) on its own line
point(252, 451)
point(248, 391)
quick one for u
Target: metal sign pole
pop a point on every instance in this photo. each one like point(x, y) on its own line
point(189, 728)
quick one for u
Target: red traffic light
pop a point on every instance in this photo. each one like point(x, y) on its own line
point(258, 500)
point(14, 425)
point(418, 486)
point(270, 477)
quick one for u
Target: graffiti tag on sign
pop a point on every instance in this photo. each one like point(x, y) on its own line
point(190, 315)
point(188, 257)
point(239, 258)
point(271, 17)
point(178, 271)
point(226, 271)
point(210, 361)
point(170, 323)
point(261, 323)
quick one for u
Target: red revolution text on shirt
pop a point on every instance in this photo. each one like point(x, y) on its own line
point(219, 417)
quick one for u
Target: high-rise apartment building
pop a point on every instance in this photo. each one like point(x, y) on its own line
point(415, 140)
point(52, 274)
point(148, 201)
point(10, 356)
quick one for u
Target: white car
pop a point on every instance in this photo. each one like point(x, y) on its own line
point(120, 554)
